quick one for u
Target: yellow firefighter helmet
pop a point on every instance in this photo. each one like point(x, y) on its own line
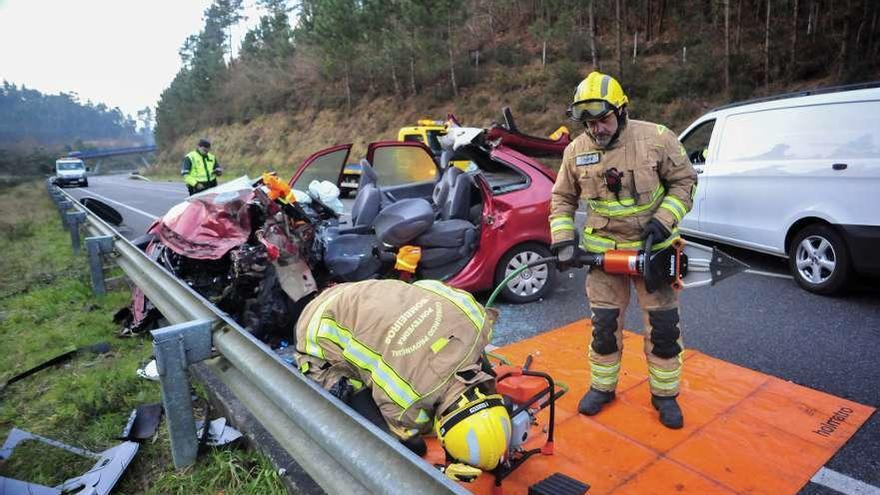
point(476, 429)
point(595, 96)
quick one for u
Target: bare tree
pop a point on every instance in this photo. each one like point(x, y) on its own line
point(451, 56)
point(738, 38)
point(619, 39)
point(727, 47)
point(594, 53)
point(767, 49)
point(842, 56)
point(794, 33)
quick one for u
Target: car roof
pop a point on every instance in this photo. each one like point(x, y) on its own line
point(838, 94)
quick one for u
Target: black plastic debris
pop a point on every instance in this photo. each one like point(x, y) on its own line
point(104, 211)
point(142, 423)
point(559, 484)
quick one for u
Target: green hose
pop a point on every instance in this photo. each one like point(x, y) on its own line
point(507, 279)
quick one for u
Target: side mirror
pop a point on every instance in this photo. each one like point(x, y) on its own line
point(88, 169)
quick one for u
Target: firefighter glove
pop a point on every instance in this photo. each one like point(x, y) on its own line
point(566, 255)
point(656, 230)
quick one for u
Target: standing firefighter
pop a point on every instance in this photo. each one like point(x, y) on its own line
point(200, 168)
point(409, 358)
point(637, 182)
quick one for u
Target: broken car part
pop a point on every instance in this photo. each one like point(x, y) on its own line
point(99, 348)
point(99, 480)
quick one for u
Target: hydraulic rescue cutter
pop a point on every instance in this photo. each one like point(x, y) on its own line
point(682, 265)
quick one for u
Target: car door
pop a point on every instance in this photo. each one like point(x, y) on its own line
point(404, 169)
point(326, 164)
point(696, 142)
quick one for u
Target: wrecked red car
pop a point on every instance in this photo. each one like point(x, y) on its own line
point(471, 228)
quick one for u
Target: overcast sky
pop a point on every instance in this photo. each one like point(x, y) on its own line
point(118, 52)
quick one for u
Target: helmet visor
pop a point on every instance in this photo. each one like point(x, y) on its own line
point(589, 110)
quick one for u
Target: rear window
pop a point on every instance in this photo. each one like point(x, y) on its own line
point(399, 165)
point(841, 130)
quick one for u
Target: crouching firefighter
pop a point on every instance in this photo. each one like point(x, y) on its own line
point(409, 357)
point(637, 182)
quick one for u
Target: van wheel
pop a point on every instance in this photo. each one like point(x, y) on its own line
point(818, 259)
point(533, 283)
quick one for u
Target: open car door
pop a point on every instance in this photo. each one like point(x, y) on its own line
point(326, 164)
point(404, 169)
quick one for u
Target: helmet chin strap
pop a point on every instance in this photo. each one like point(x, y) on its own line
point(622, 118)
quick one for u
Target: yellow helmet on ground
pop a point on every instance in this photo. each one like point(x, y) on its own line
point(476, 429)
point(595, 96)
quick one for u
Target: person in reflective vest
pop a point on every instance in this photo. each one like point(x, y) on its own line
point(636, 181)
point(409, 357)
point(200, 168)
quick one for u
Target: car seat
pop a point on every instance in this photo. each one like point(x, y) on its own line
point(441, 189)
point(451, 240)
point(368, 200)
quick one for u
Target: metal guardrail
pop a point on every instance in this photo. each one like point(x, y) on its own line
point(340, 450)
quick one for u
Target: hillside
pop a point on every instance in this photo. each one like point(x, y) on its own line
point(346, 75)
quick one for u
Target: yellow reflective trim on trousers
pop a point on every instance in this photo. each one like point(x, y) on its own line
point(626, 206)
point(674, 205)
point(605, 375)
point(597, 244)
point(312, 346)
point(358, 354)
point(461, 299)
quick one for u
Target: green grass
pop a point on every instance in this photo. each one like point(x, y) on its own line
point(46, 309)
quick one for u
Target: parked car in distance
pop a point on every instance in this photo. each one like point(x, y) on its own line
point(797, 176)
point(70, 171)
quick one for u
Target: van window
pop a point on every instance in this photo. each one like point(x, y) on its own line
point(841, 130)
point(697, 142)
point(69, 165)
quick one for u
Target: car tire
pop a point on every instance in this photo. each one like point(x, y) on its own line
point(819, 260)
point(532, 284)
point(85, 183)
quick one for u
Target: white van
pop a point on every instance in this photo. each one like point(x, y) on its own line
point(796, 176)
point(70, 171)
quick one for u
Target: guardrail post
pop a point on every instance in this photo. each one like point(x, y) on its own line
point(176, 347)
point(63, 206)
point(96, 247)
point(74, 220)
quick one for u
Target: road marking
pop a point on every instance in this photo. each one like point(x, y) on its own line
point(843, 483)
point(769, 274)
point(132, 208)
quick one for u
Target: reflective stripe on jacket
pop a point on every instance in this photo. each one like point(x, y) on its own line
point(408, 342)
point(657, 181)
point(201, 168)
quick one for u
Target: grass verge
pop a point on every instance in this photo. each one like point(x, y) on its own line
point(46, 309)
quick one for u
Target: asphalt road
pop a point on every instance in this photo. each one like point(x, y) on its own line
point(762, 321)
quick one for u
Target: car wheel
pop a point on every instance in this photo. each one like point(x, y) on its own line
point(85, 183)
point(533, 283)
point(818, 259)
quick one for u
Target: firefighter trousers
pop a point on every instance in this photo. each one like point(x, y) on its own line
point(609, 297)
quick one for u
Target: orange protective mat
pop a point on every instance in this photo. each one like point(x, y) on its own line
point(745, 431)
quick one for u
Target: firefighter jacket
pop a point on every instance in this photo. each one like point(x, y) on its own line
point(658, 181)
point(417, 346)
point(197, 168)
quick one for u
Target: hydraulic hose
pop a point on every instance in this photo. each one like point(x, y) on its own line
point(513, 274)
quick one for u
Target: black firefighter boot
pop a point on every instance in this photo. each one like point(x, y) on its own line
point(593, 401)
point(670, 413)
